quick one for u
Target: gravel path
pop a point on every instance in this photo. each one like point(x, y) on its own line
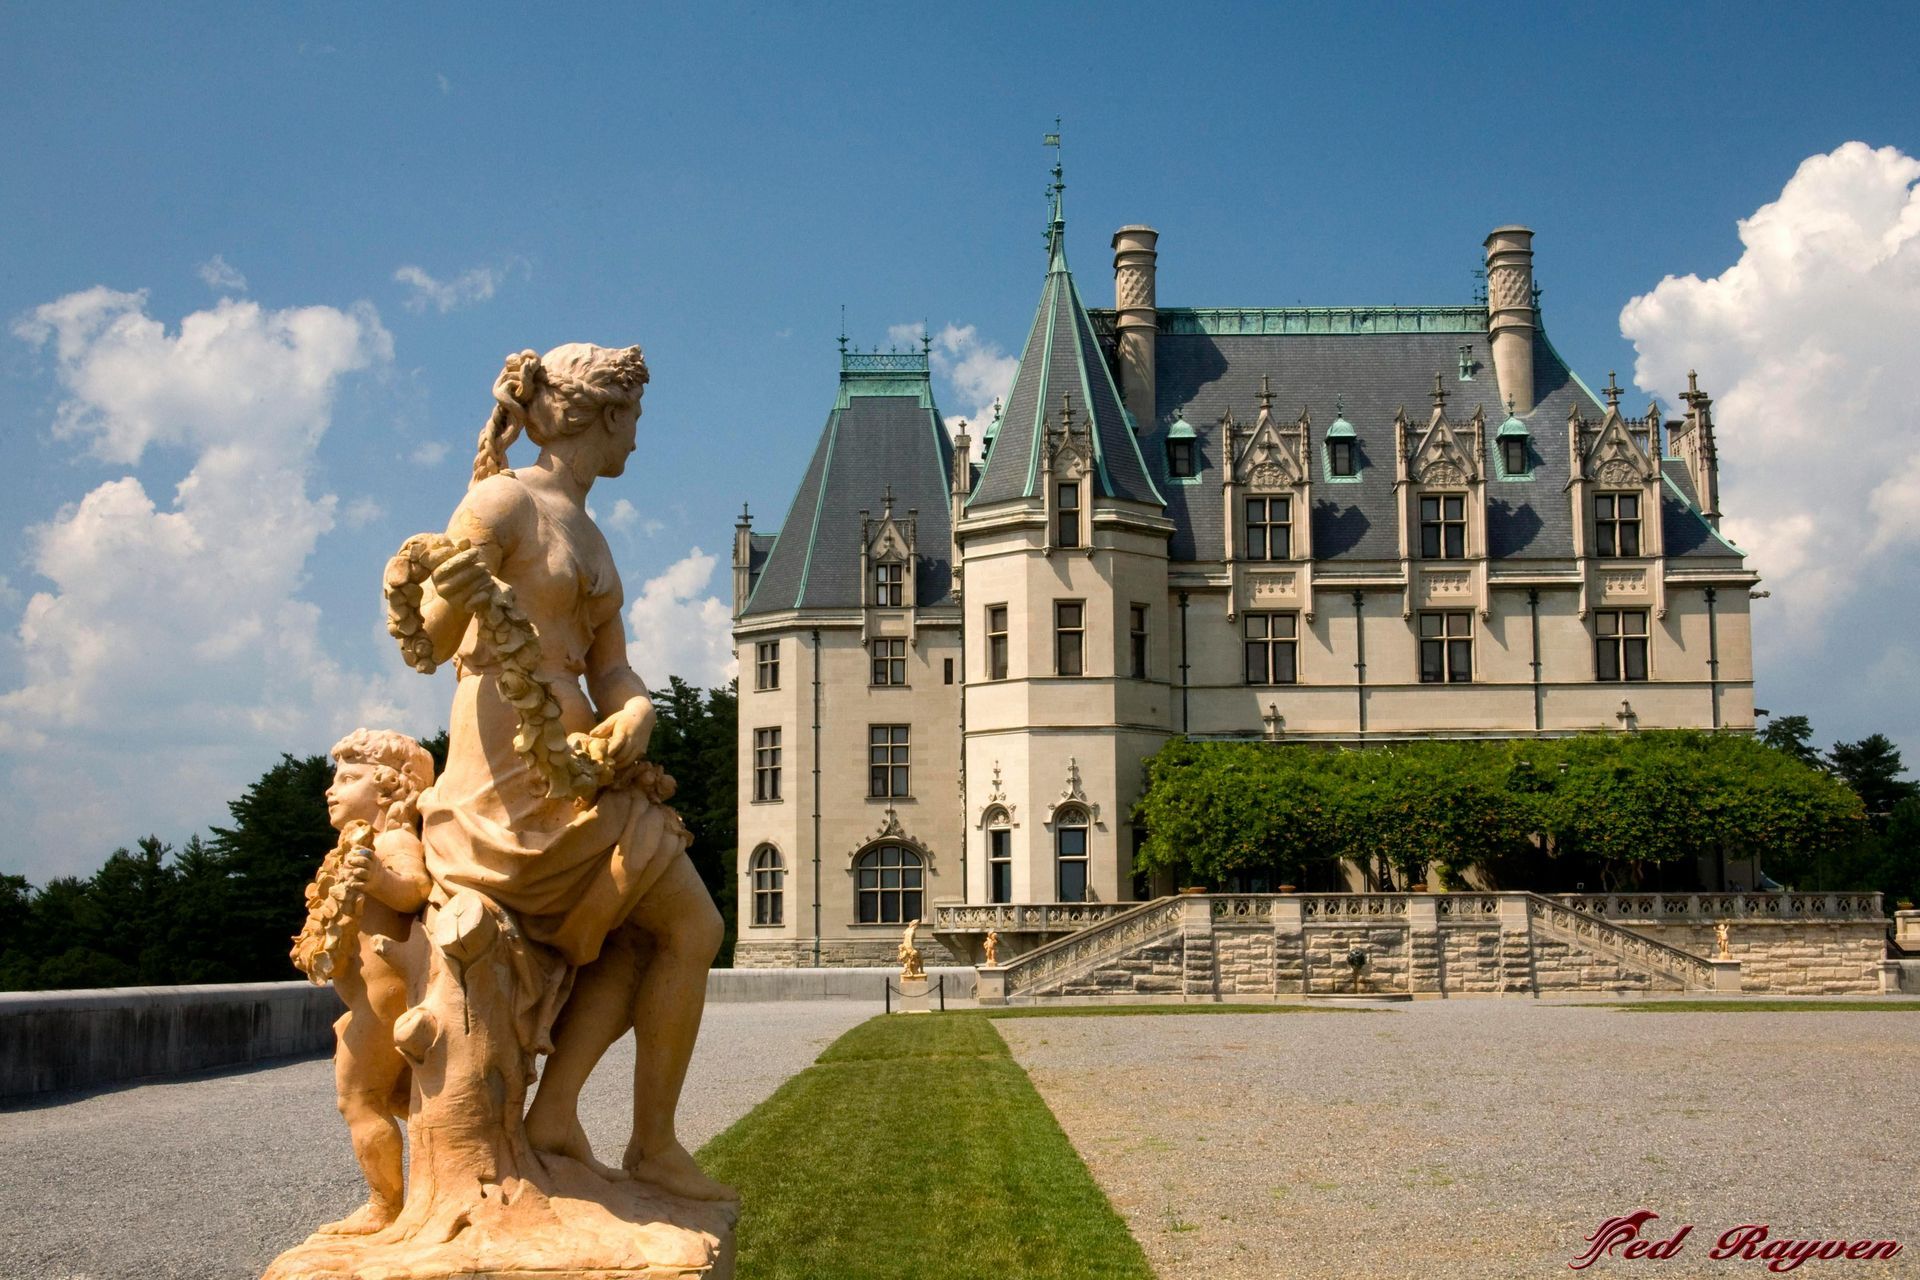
point(208, 1179)
point(1485, 1138)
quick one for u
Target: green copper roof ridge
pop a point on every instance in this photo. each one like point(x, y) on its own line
point(819, 505)
point(1051, 296)
point(1079, 352)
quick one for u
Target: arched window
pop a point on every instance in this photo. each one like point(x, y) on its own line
point(999, 856)
point(887, 885)
point(1070, 855)
point(769, 876)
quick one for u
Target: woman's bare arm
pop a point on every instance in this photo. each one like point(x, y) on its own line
point(492, 519)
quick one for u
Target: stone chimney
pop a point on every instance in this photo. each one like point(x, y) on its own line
point(1138, 321)
point(1510, 321)
point(742, 560)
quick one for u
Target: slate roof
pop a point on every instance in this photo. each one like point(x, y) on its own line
point(884, 433)
point(1687, 533)
point(1062, 357)
point(1374, 363)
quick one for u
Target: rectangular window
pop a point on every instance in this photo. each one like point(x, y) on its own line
point(996, 642)
point(889, 661)
point(1443, 526)
point(1446, 648)
point(1271, 653)
point(1068, 516)
point(1180, 459)
point(1269, 528)
point(1340, 457)
point(999, 865)
point(1616, 524)
point(1069, 638)
point(766, 665)
point(887, 764)
point(766, 764)
point(1070, 843)
point(1620, 644)
point(1514, 456)
point(889, 579)
point(949, 671)
point(1137, 639)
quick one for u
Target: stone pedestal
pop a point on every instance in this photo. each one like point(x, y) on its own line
point(1906, 930)
point(1726, 975)
point(912, 995)
point(990, 985)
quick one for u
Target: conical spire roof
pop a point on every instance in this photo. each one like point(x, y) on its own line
point(1062, 358)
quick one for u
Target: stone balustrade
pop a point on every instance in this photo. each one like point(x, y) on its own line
point(1024, 917)
point(1686, 908)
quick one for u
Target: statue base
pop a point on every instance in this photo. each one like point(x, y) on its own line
point(579, 1226)
point(915, 996)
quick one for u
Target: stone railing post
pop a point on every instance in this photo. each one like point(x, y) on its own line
point(1289, 946)
point(1201, 977)
point(1726, 975)
point(1423, 946)
point(1516, 946)
point(990, 986)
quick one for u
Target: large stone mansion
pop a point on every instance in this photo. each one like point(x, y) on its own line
point(1304, 524)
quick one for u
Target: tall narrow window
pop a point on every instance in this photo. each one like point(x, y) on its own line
point(766, 665)
point(1067, 515)
point(948, 671)
point(1069, 638)
point(996, 642)
point(1070, 855)
point(1620, 644)
point(888, 775)
point(889, 579)
point(1271, 654)
point(888, 880)
point(766, 764)
point(1269, 528)
point(769, 875)
point(1340, 457)
point(1446, 648)
point(1137, 639)
point(889, 661)
point(1616, 524)
point(1180, 459)
point(999, 864)
point(1443, 526)
point(1513, 455)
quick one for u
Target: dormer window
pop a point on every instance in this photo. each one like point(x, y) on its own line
point(889, 580)
point(1340, 457)
point(1513, 456)
point(1443, 526)
point(1513, 447)
point(1269, 528)
point(1183, 458)
point(1343, 452)
point(1616, 524)
point(1067, 515)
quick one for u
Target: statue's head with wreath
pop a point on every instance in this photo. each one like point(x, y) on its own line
point(378, 776)
point(578, 401)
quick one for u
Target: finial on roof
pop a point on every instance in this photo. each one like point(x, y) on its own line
point(1056, 205)
point(1693, 383)
point(1439, 393)
point(843, 328)
point(1509, 406)
point(1266, 391)
point(1066, 413)
point(1339, 406)
point(926, 339)
point(886, 499)
point(1612, 390)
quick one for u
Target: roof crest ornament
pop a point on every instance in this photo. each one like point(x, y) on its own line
point(1056, 201)
point(1266, 391)
point(1612, 390)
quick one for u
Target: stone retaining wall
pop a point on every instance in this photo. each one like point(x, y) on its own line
point(1789, 957)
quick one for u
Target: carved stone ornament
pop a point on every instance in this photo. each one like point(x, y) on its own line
point(1263, 587)
point(1269, 475)
point(1623, 582)
point(460, 935)
point(998, 814)
point(1447, 583)
point(1442, 473)
point(1618, 471)
point(1073, 796)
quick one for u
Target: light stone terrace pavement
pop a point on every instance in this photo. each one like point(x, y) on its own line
point(209, 1178)
point(1485, 1138)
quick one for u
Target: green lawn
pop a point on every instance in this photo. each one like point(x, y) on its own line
point(915, 1147)
point(1765, 1006)
point(1136, 1010)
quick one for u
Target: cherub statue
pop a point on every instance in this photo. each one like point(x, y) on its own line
point(360, 911)
point(1723, 936)
point(993, 949)
point(910, 966)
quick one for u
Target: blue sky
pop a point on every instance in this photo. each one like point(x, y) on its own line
point(356, 212)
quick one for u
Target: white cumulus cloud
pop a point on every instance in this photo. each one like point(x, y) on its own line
point(676, 629)
point(167, 657)
point(625, 515)
point(974, 372)
point(1810, 345)
point(222, 276)
point(464, 290)
point(430, 453)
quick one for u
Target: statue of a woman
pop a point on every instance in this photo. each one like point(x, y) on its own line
point(607, 884)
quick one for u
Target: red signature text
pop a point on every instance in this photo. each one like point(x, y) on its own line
point(1623, 1237)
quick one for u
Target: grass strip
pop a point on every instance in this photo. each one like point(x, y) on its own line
point(1765, 1006)
point(916, 1147)
point(1136, 1010)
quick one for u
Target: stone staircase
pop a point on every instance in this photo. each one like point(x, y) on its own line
point(1247, 945)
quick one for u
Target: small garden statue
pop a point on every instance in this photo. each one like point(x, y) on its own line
point(993, 949)
point(910, 966)
point(1721, 935)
